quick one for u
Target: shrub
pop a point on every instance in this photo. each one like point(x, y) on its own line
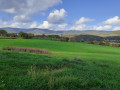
point(101, 43)
point(116, 45)
point(92, 42)
point(82, 40)
point(53, 36)
point(72, 39)
point(12, 34)
point(30, 35)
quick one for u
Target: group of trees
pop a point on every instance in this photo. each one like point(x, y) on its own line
point(105, 43)
point(21, 34)
point(74, 39)
point(6, 35)
point(25, 35)
point(59, 38)
point(3, 33)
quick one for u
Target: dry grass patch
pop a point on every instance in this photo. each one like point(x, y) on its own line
point(31, 50)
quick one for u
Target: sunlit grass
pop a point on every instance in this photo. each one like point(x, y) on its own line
point(71, 66)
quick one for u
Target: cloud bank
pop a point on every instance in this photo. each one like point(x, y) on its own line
point(26, 6)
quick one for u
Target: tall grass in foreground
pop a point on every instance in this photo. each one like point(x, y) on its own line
point(23, 71)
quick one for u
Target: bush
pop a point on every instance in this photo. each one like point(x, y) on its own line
point(72, 39)
point(30, 35)
point(106, 43)
point(101, 43)
point(12, 34)
point(82, 40)
point(92, 42)
point(53, 36)
point(116, 45)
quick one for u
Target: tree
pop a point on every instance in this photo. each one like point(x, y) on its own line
point(107, 43)
point(23, 35)
point(3, 33)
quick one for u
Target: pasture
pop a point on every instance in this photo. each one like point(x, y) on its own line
point(71, 66)
point(68, 49)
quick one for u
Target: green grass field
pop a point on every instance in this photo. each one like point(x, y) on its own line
point(68, 49)
point(72, 66)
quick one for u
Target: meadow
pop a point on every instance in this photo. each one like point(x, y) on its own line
point(71, 66)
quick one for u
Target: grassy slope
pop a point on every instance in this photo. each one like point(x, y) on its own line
point(97, 68)
point(23, 71)
point(69, 49)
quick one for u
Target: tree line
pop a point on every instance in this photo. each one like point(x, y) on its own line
point(20, 34)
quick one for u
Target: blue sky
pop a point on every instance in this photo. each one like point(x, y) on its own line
point(61, 14)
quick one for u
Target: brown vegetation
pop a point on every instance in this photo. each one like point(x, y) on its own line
point(116, 45)
point(92, 42)
point(31, 50)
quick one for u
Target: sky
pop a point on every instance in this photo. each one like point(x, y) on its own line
point(61, 14)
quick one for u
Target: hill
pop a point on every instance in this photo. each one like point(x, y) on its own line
point(38, 31)
point(115, 39)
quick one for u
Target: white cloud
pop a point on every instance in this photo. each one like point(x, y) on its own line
point(33, 25)
point(11, 10)
point(113, 21)
point(3, 23)
point(54, 18)
point(26, 6)
point(61, 27)
point(85, 27)
point(22, 19)
point(17, 25)
point(83, 20)
point(78, 27)
point(116, 28)
point(106, 27)
point(23, 10)
point(46, 25)
point(80, 24)
point(57, 16)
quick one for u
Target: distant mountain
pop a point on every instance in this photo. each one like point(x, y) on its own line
point(31, 30)
point(45, 31)
point(38, 31)
point(88, 32)
point(17, 30)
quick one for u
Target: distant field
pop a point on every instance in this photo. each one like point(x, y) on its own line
point(72, 66)
point(68, 49)
point(2, 37)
